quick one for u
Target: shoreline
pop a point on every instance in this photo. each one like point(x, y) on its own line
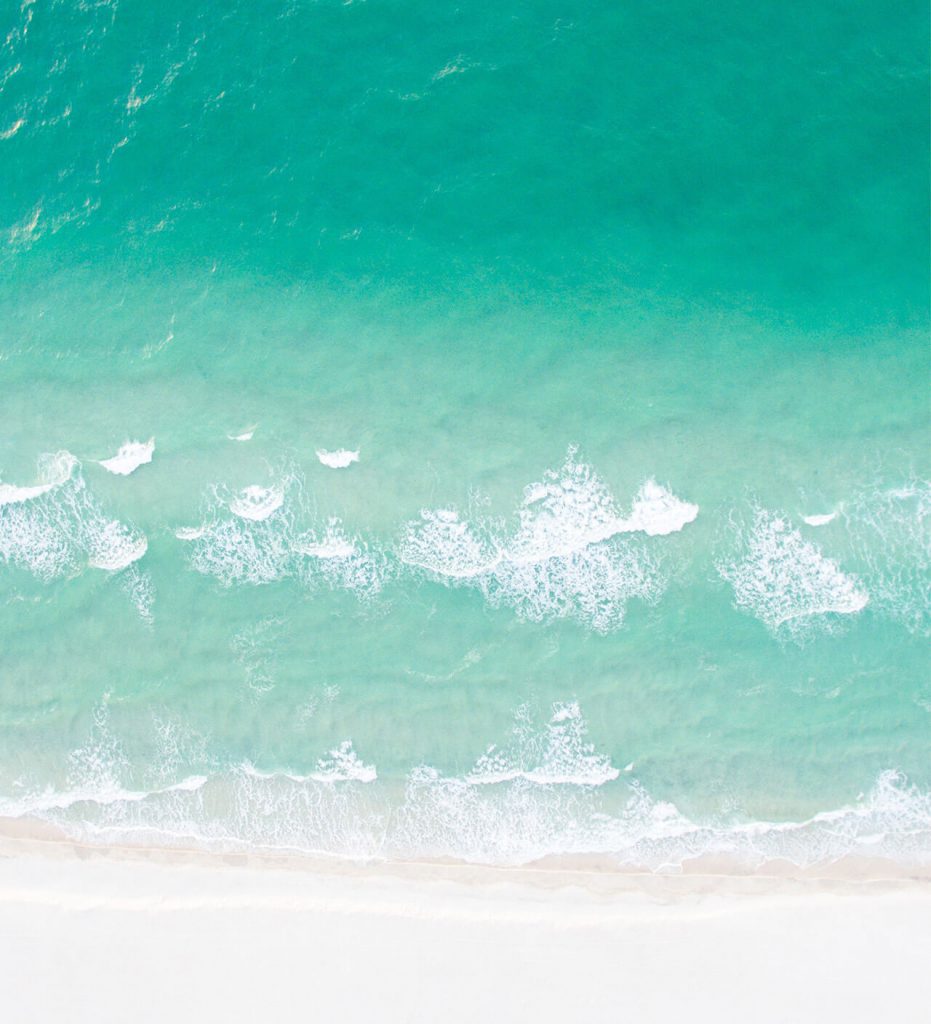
point(35, 837)
point(101, 933)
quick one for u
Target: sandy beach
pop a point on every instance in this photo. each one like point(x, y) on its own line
point(113, 934)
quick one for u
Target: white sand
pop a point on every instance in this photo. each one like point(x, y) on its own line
point(109, 935)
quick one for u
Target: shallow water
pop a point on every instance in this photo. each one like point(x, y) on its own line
point(626, 316)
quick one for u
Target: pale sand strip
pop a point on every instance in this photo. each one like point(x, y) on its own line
point(109, 934)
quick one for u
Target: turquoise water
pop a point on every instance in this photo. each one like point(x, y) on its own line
point(625, 312)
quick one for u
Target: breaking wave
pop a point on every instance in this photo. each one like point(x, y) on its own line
point(786, 581)
point(270, 536)
point(56, 527)
point(130, 457)
point(546, 793)
point(569, 551)
point(341, 458)
point(556, 754)
point(256, 503)
point(564, 559)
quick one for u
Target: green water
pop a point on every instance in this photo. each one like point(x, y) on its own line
point(692, 242)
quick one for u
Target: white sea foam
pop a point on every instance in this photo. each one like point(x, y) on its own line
point(335, 559)
point(343, 765)
point(140, 589)
point(572, 507)
point(256, 502)
point(519, 822)
point(564, 558)
point(341, 458)
point(62, 529)
point(444, 546)
point(563, 513)
point(10, 493)
point(8, 133)
point(657, 511)
point(246, 435)
point(889, 532)
point(237, 550)
point(190, 532)
point(557, 754)
point(333, 544)
point(264, 542)
point(114, 546)
point(547, 793)
point(561, 558)
point(347, 564)
point(592, 584)
point(785, 581)
point(130, 457)
point(820, 520)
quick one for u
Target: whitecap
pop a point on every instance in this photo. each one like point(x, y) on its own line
point(333, 544)
point(325, 549)
point(657, 511)
point(343, 765)
point(256, 503)
point(130, 457)
point(262, 543)
point(244, 550)
point(338, 459)
point(566, 511)
point(820, 520)
point(8, 133)
point(786, 581)
point(188, 533)
point(342, 562)
point(10, 493)
point(246, 435)
point(572, 507)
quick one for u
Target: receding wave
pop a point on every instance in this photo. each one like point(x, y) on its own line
point(545, 792)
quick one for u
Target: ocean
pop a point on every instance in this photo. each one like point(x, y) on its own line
point(481, 432)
